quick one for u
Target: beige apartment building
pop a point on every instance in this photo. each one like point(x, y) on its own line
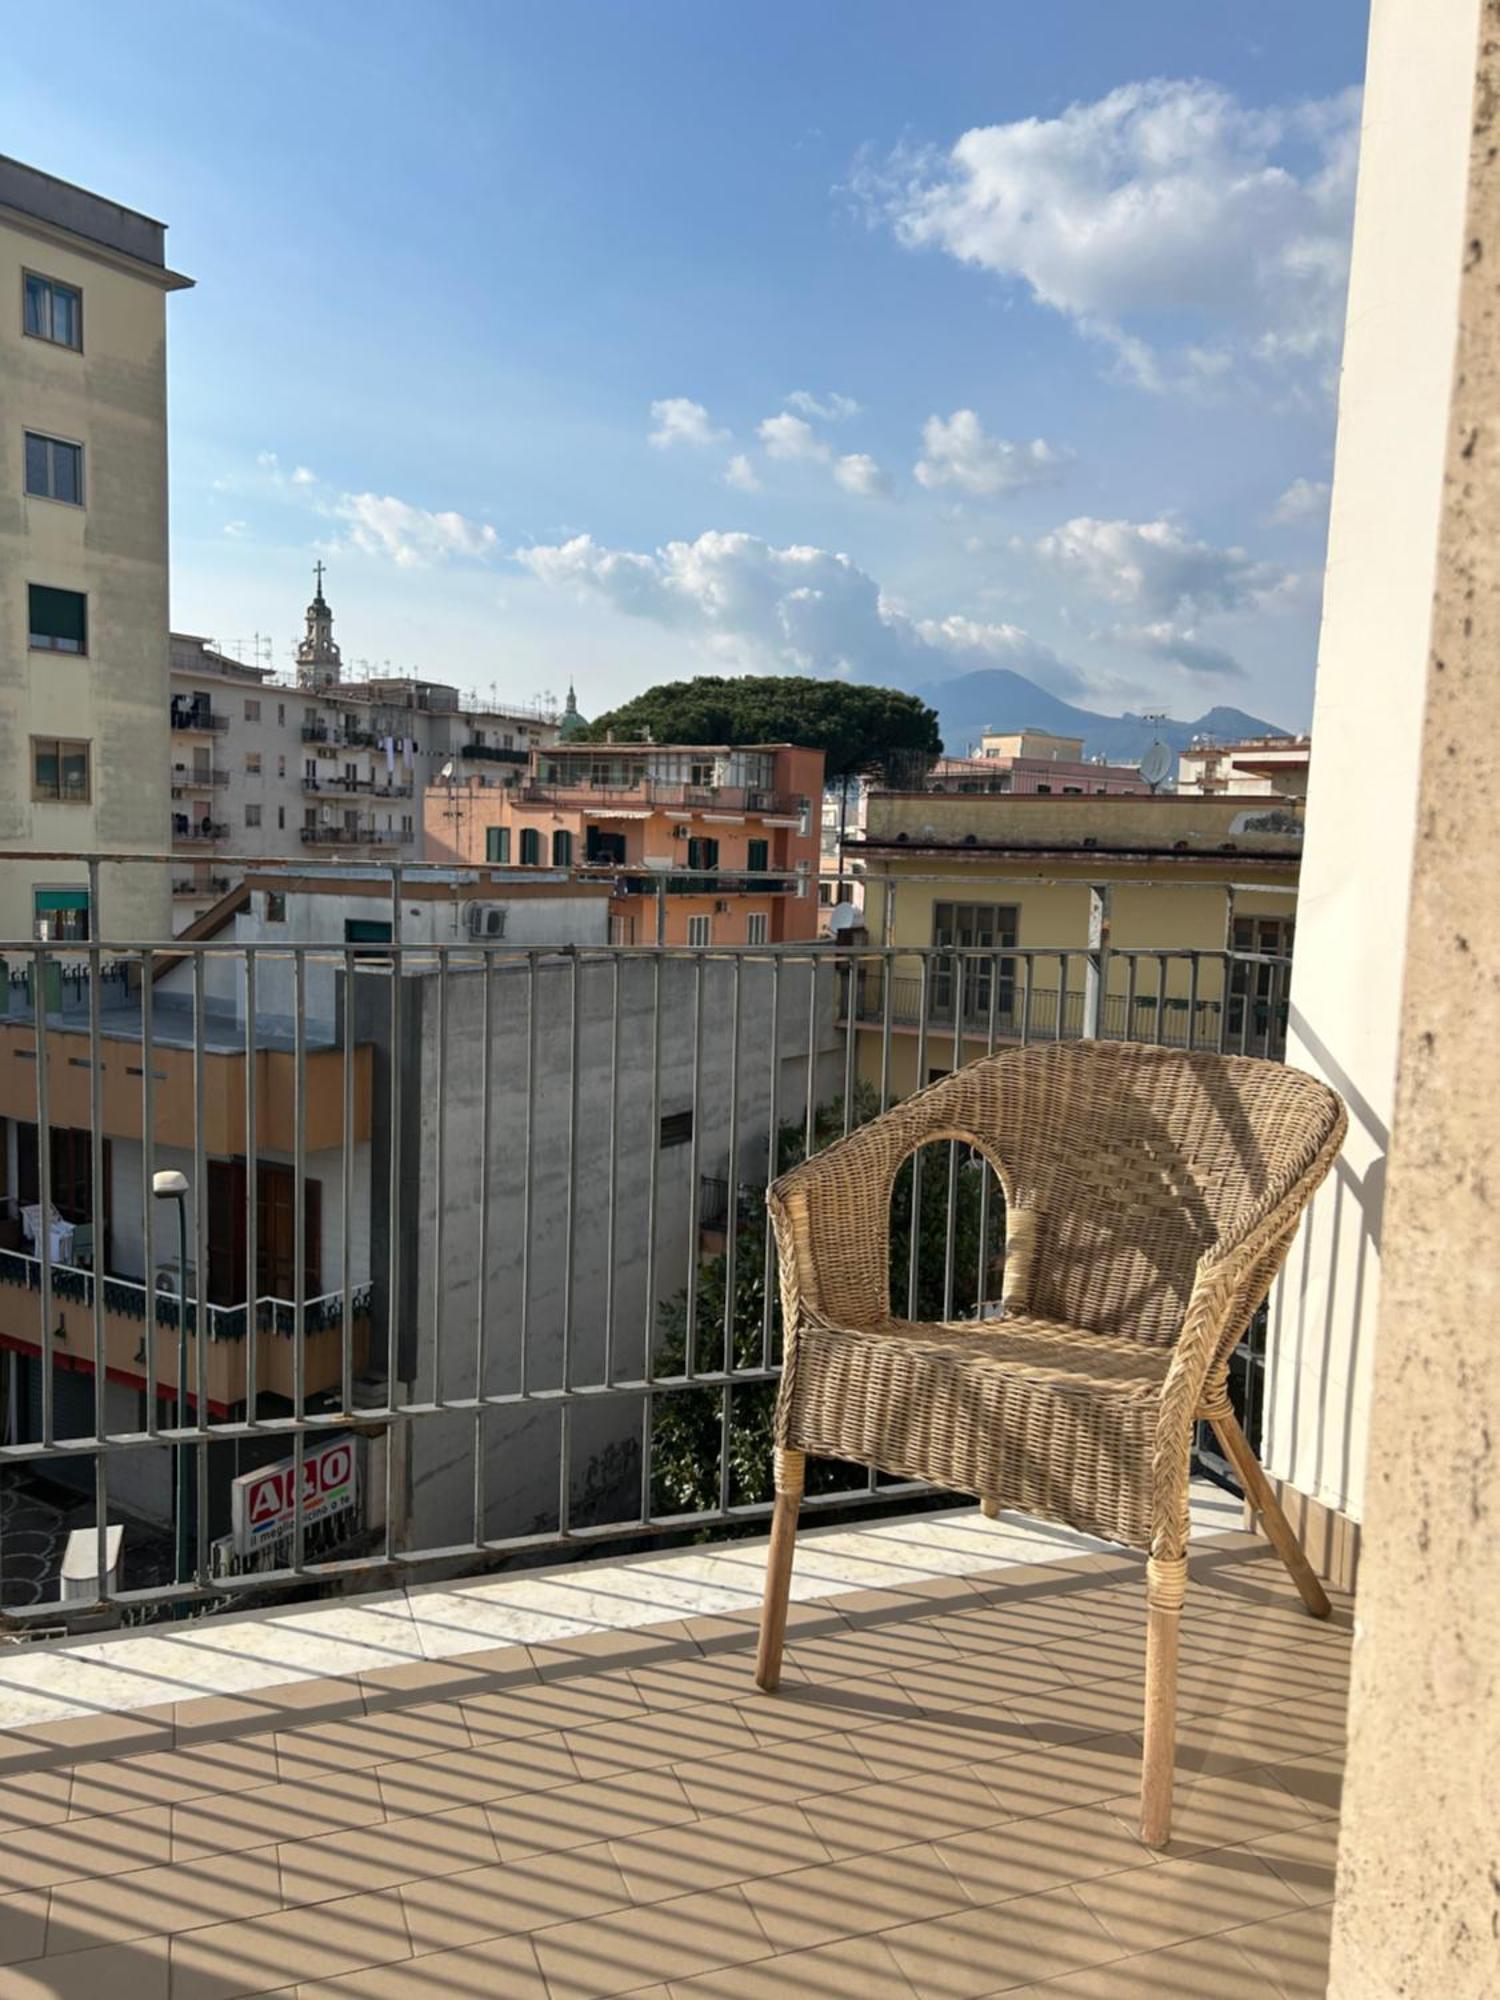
point(83, 555)
point(1259, 767)
point(314, 768)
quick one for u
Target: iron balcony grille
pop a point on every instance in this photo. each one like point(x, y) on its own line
point(492, 1214)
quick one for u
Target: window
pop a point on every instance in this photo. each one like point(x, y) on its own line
point(54, 312)
point(703, 854)
point(281, 816)
point(54, 469)
point(252, 815)
point(1072, 791)
point(700, 932)
point(252, 763)
point(758, 859)
point(677, 1128)
point(1045, 788)
point(57, 620)
point(974, 927)
point(366, 930)
point(281, 715)
point(562, 848)
point(531, 847)
point(61, 914)
point(408, 825)
point(275, 906)
point(701, 774)
point(281, 766)
point(59, 769)
point(755, 927)
point(309, 769)
point(252, 711)
point(497, 844)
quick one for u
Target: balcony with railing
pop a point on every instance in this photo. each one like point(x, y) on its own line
point(559, 1338)
point(198, 833)
point(661, 796)
point(199, 718)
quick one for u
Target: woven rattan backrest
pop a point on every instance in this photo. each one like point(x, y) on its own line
point(1124, 1164)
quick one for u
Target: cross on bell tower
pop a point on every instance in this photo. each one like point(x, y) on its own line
point(318, 659)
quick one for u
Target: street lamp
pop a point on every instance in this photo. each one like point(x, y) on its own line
point(170, 1185)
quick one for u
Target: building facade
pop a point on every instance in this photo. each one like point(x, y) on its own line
point(315, 768)
point(83, 555)
point(705, 845)
point(1202, 888)
point(1259, 767)
point(1030, 760)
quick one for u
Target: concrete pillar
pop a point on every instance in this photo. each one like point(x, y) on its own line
point(1362, 802)
point(1418, 1906)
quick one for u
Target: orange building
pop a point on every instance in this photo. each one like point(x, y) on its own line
point(706, 844)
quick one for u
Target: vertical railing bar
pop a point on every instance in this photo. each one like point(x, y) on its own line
point(928, 964)
point(1026, 985)
point(97, 1206)
point(1161, 995)
point(439, 1172)
point(986, 1173)
point(486, 1142)
point(768, 1259)
point(888, 982)
point(148, 1171)
point(1192, 1040)
point(200, 1264)
point(731, 1219)
point(950, 1230)
point(695, 1168)
point(613, 1189)
point(1064, 979)
point(526, 1155)
point(575, 1044)
point(299, 1240)
point(1130, 977)
point(346, 1261)
point(653, 1142)
point(1247, 1001)
point(43, 1178)
point(846, 968)
point(393, 1213)
point(252, 1200)
point(810, 1113)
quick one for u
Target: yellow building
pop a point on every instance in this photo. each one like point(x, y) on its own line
point(1002, 917)
point(83, 556)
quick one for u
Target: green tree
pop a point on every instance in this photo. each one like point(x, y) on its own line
point(688, 1433)
point(872, 729)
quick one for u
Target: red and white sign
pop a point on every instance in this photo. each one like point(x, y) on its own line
point(263, 1503)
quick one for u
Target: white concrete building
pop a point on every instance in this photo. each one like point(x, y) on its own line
point(1260, 767)
point(315, 767)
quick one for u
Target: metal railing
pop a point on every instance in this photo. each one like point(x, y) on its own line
point(488, 1171)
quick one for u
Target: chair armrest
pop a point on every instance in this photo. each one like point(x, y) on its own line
point(832, 1213)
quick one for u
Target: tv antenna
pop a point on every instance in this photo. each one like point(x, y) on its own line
point(1158, 763)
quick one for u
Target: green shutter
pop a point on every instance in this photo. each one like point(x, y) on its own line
point(58, 614)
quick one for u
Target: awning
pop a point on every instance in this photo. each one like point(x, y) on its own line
point(47, 900)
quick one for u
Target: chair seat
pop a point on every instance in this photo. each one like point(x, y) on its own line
point(1043, 1418)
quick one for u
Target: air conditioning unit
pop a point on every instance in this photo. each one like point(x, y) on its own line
point(682, 832)
point(486, 920)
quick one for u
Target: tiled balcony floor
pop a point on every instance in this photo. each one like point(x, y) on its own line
point(938, 1805)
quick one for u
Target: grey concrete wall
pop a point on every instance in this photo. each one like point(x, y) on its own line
point(551, 1271)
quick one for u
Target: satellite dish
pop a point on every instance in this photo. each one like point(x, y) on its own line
point(1156, 765)
point(844, 917)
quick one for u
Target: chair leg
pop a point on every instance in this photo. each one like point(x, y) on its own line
point(989, 1508)
point(1166, 1586)
point(1264, 1502)
point(789, 1475)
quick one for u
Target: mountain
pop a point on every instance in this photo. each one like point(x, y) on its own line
point(995, 698)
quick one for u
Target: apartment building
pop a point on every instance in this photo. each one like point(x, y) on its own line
point(1257, 767)
point(83, 554)
point(1001, 900)
point(1035, 761)
point(315, 767)
point(705, 844)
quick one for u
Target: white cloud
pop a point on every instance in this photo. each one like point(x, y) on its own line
point(268, 461)
point(858, 473)
point(1154, 568)
point(1181, 647)
point(832, 407)
point(740, 474)
point(236, 528)
point(957, 451)
point(1164, 206)
point(796, 609)
point(303, 477)
point(679, 420)
point(412, 537)
point(790, 437)
point(1303, 500)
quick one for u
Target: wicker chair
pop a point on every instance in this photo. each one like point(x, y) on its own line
point(1151, 1197)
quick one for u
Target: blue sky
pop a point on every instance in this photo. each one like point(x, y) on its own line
point(622, 342)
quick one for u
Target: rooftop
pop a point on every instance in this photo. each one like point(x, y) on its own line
point(563, 1785)
point(62, 205)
